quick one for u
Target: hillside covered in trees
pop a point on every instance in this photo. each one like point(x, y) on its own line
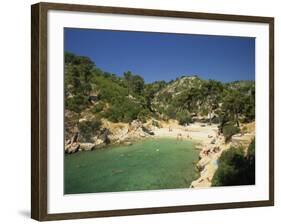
point(89, 90)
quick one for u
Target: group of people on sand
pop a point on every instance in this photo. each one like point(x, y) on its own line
point(215, 149)
point(180, 136)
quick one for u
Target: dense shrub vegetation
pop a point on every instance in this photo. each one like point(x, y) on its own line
point(87, 128)
point(236, 168)
point(183, 118)
point(229, 130)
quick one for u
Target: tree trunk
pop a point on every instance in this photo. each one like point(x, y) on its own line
point(237, 121)
point(210, 116)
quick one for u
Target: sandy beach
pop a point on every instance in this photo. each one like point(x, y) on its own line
point(196, 131)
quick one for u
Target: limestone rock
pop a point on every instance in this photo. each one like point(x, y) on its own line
point(72, 148)
point(87, 146)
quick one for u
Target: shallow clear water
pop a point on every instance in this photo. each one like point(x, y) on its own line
point(146, 165)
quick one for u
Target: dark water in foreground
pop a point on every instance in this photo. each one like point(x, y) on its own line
point(147, 165)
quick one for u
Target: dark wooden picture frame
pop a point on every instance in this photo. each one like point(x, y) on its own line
point(39, 202)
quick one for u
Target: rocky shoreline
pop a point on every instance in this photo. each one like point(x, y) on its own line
point(208, 162)
point(212, 149)
point(111, 134)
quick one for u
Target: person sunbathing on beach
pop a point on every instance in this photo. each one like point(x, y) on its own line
point(208, 152)
point(216, 149)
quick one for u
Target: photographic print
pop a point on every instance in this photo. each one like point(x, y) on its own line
point(155, 111)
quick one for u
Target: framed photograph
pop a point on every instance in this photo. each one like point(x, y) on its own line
point(141, 111)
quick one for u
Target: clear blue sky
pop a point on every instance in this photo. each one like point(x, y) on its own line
point(158, 56)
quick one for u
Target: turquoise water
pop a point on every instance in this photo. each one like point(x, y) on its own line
point(146, 165)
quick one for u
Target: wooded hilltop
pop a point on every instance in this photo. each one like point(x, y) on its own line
point(89, 90)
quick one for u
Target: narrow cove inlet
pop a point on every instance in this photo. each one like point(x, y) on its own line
point(150, 164)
